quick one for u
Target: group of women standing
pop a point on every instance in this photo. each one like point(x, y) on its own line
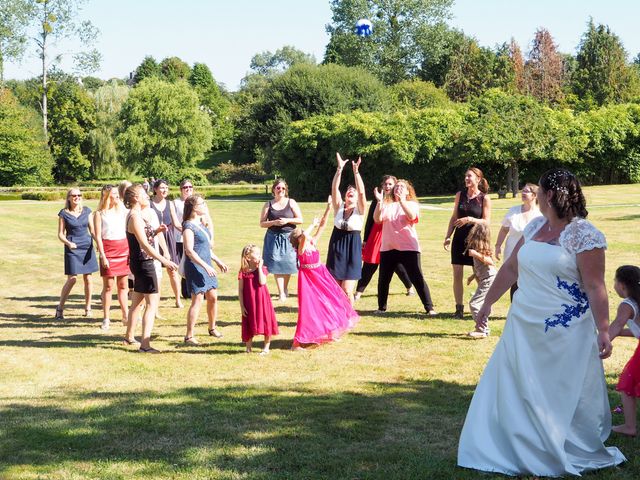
point(135, 239)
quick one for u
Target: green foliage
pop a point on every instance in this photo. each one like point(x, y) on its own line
point(403, 143)
point(24, 156)
point(419, 94)
point(104, 154)
point(92, 83)
point(269, 64)
point(300, 92)
point(402, 32)
point(215, 103)
point(149, 68)
point(162, 130)
point(72, 115)
point(602, 75)
point(173, 69)
point(14, 18)
point(470, 71)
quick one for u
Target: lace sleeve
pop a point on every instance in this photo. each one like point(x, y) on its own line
point(532, 227)
point(580, 235)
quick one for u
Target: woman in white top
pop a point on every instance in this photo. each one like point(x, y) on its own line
point(344, 259)
point(111, 237)
point(514, 222)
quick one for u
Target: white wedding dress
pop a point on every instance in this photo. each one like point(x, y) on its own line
point(541, 405)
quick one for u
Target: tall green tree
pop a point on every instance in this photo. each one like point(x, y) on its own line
point(470, 72)
point(173, 69)
point(602, 74)
point(72, 117)
point(162, 130)
point(149, 68)
point(14, 19)
point(402, 31)
point(105, 161)
point(58, 20)
point(24, 154)
point(215, 103)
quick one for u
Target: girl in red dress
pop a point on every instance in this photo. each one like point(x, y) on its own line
point(258, 315)
point(627, 286)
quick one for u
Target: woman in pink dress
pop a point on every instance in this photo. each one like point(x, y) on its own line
point(324, 310)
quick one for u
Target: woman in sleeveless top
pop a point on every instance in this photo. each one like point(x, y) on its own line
point(75, 230)
point(111, 238)
point(162, 208)
point(280, 217)
point(140, 236)
point(472, 205)
point(177, 211)
point(344, 259)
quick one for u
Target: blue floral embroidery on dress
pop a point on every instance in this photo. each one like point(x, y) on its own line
point(570, 311)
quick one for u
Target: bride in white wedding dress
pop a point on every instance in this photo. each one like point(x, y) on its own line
point(541, 405)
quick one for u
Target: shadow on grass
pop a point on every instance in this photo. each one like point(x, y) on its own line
point(625, 218)
point(400, 430)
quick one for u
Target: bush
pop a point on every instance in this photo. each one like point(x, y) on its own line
point(232, 173)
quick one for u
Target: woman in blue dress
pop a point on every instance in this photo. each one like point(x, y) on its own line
point(201, 277)
point(74, 230)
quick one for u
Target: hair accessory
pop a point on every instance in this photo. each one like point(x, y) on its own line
point(557, 179)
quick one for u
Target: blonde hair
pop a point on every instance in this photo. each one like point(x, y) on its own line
point(105, 197)
point(122, 187)
point(294, 237)
point(479, 239)
point(246, 251)
point(131, 194)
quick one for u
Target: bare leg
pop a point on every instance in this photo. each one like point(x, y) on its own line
point(137, 300)
point(267, 344)
point(212, 308)
point(152, 300)
point(123, 289)
point(174, 280)
point(348, 287)
point(458, 287)
point(280, 283)
point(88, 287)
point(66, 290)
point(286, 284)
point(192, 313)
point(629, 408)
point(248, 345)
point(107, 290)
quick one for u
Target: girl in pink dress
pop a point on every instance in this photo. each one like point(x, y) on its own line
point(324, 310)
point(627, 286)
point(258, 315)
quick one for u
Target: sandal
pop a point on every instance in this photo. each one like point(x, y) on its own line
point(148, 350)
point(191, 341)
point(59, 313)
point(215, 333)
point(130, 342)
point(88, 313)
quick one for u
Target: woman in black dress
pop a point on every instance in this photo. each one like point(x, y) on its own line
point(472, 205)
point(75, 231)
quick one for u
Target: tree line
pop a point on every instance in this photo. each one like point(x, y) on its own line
point(416, 97)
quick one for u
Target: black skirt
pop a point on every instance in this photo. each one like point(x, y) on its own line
point(344, 259)
point(459, 245)
point(144, 276)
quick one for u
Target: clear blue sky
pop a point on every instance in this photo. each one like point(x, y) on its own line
point(225, 34)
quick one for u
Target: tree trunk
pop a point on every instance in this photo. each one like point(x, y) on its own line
point(45, 123)
point(515, 179)
point(509, 179)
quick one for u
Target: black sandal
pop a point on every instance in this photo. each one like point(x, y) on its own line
point(148, 350)
point(215, 333)
point(59, 313)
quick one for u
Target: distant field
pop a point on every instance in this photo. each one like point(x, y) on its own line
point(387, 402)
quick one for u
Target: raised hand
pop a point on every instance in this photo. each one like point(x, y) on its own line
point(356, 166)
point(341, 162)
point(378, 194)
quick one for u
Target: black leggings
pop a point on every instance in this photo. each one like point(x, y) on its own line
point(389, 261)
point(368, 269)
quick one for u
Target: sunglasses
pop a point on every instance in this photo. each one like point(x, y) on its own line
point(280, 188)
point(76, 195)
point(186, 187)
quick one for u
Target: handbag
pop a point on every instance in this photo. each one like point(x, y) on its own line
point(181, 266)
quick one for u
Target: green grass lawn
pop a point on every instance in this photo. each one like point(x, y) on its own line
point(386, 402)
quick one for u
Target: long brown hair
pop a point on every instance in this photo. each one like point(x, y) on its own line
point(629, 276)
point(479, 239)
point(277, 182)
point(131, 195)
point(189, 206)
point(483, 185)
point(411, 193)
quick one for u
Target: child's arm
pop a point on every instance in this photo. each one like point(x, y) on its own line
point(262, 277)
point(471, 278)
point(625, 312)
point(240, 296)
point(486, 259)
point(322, 223)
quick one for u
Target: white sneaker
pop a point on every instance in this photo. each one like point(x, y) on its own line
point(634, 328)
point(105, 324)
